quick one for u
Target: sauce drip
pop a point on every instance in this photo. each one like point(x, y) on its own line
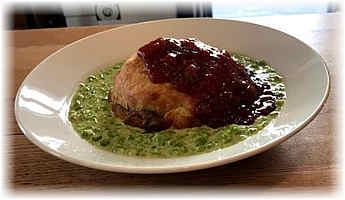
point(225, 92)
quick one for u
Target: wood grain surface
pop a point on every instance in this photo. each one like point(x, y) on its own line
point(307, 161)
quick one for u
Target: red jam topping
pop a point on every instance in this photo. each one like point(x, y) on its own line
point(225, 92)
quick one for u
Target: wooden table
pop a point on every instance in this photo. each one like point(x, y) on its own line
point(306, 162)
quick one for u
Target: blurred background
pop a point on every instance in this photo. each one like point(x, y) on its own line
point(64, 14)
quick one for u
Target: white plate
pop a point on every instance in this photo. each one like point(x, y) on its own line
point(42, 101)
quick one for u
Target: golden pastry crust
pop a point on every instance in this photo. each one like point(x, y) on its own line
point(145, 103)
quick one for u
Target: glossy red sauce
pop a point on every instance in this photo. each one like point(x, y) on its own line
point(226, 92)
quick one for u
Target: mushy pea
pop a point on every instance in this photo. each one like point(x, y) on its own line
point(91, 117)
